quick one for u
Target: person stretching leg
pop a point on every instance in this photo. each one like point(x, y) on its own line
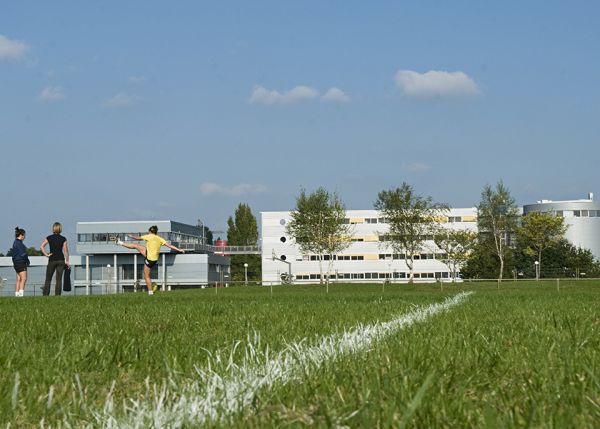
point(150, 252)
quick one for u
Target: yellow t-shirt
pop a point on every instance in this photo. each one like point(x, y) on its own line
point(153, 243)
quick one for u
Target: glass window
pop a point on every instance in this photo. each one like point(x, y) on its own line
point(576, 213)
point(100, 238)
point(593, 213)
point(584, 213)
point(559, 213)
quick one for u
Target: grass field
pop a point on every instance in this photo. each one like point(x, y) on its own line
point(523, 355)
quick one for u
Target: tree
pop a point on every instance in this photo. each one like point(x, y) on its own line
point(456, 245)
point(32, 251)
point(242, 230)
point(497, 221)
point(411, 219)
point(538, 231)
point(317, 225)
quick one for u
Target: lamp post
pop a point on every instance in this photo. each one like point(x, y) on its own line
point(537, 270)
point(245, 273)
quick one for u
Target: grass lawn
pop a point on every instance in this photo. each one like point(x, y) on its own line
point(521, 355)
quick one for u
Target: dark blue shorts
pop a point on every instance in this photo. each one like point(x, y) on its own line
point(149, 263)
point(20, 266)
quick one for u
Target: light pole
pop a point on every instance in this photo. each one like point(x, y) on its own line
point(537, 270)
point(245, 273)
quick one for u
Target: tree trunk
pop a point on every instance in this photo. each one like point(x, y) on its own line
point(501, 267)
point(540, 263)
point(411, 274)
point(321, 269)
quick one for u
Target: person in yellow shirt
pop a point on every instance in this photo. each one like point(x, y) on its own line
point(151, 251)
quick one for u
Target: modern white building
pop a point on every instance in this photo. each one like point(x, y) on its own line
point(367, 259)
point(582, 218)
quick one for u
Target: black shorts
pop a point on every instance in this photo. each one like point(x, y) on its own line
point(150, 263)
point(20, 266)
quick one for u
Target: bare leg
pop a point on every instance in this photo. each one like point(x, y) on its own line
point(147, 277)
point(138, 247)
point(23, 275)
point(17, 284)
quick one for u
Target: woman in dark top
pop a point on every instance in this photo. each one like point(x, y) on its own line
point(20, 260)
point(58, 258)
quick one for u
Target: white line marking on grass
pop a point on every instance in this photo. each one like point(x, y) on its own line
point(214, 398)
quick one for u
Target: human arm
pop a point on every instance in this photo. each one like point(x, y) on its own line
point(66, 253)
point(134, 237)
point(43, 248)
point(170, 246)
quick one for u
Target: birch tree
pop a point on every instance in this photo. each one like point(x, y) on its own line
point(538, 231)
point(457, 245)
point(497, 221)
point(317, 225)
point(412, 219)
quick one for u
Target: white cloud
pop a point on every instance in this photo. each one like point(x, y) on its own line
point(121, 100)
point(210, 188)
point(336, 95)
point(51, 93)
point(435, 84)
point(261, 95)
point(12, 49)
point(417, 167)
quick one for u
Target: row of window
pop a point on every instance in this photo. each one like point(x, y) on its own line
point(586, 213)
point(373, 220)
point(336, 258)
point(374, 276)
point(382, 257)
point(419, 256)
point(112, 236)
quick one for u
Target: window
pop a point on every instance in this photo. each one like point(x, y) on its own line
point(584, 213)
point(100, 238)
point(454, 219)
point(577, 213)
point(559, 213)
point(367, 275)
point(593, 213)
point(382, 220)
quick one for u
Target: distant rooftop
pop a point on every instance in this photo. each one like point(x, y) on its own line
point(590, 198)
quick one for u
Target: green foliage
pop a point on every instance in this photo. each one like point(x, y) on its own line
point(411, 218)
point(482, 263)
point(561, 259)
point(242, 230)
point(457, 245)
point(538, 231)
point(32, 251)
point(317, 225)
point(497, 221)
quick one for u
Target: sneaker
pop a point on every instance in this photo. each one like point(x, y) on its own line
point(150, 292)
point(17, 293)
point(21, 293)
point(118, 241)
point(154, 287)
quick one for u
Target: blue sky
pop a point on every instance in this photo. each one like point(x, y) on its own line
point(180, 110)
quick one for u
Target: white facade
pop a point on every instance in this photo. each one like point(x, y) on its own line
point(367, 259)
point(582, 218)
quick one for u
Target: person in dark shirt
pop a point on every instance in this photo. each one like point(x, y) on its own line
point(58, 258)
point(20, 261)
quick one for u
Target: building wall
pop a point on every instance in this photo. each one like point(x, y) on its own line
point(366, 257)
point(582, 218)
point(36, 274)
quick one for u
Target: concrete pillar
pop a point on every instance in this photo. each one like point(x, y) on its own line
point(87, 274)
point(135, 277)
point(116, 276)
point(164, 272)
